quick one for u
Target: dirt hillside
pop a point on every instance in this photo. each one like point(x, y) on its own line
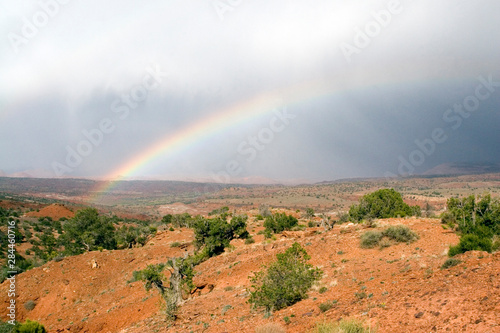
point(54, 211)
point(397, 289)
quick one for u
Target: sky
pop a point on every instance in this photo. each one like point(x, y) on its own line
point(236, 90)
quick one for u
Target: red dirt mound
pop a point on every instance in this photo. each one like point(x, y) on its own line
point(55, 211)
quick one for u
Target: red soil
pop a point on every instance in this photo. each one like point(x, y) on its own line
point(404, 288)
point(55, 211)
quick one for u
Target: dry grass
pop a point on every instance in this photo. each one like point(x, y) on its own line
point(270, 328)
point(343, 326)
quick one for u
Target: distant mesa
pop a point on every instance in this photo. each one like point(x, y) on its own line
point(35, 173)
point(462, 169)
point(54, 211)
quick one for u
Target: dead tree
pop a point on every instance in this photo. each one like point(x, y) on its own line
point(173, 294)
point(326, 222)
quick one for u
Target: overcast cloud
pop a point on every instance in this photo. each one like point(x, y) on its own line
point(360, 98)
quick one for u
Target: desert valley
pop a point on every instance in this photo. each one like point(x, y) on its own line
point(367, 278)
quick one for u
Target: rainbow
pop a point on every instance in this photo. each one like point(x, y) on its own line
point(240, 113)
point(210, 125)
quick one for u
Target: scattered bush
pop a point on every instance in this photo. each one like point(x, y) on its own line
point(216, 234)
point(370, 239)
point(398, 234)
point(152, 276)
point(309, 214)
point(181, 279)
point(477, 221)
point(343, 217)
point(130, 236)
point(285, 282)
point(249, 240)
point(496, 243)
point(29, 305)
point(384, 243)
point(87, 231)
point(450, 262)
point(226, 308)
point(278, 222)
point(136, 276)
point(382, 204)
point(184, 220)
point(323, 307)
point(264, 211)
point(175, 244)
point(5, 327)
point(219, 211)
point(471, 243)
point(29, 327)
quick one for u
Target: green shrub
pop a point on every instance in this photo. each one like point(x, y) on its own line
point(285, 282)
point(5, 327)
point(382, 204)
point(479, 216)
point(152, 276)
point(29, 305)
point(136, 276)
point(450, 262)
point(323, 290)
point(400, 234)
point(87, 231)
point(184, 220)
point(239, 226)
point(130, 236)
point(323, 307)
point(29, 327)
point(175, 244)
point(471, 243)
point(280, 221)
point(343, 217)
point(370, 239)
point(219, 211)
point(309, 214)
point(249, 240)
point(448, 219)
point(216, 234)
point(496, 244)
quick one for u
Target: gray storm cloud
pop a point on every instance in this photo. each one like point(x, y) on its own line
point(384, 77)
